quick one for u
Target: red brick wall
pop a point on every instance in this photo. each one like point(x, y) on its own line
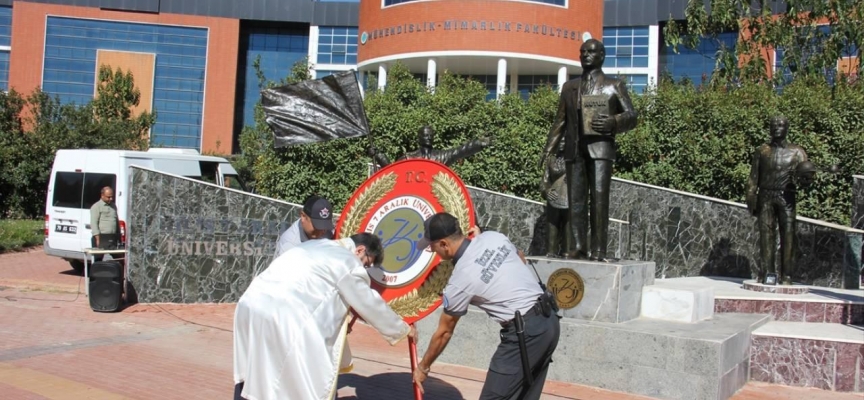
point(581, 16)
point(28, 46)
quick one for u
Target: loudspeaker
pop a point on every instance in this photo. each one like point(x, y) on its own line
point(106, 286)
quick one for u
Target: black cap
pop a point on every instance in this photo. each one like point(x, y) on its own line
point(320, 211)
point(437, 227)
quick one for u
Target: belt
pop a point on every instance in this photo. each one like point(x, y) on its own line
point(535, 310)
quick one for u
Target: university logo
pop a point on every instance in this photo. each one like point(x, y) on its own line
point(567, 287)
point(393, 204)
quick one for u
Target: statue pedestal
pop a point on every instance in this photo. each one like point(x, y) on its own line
point(778, 288)
point(612, 290)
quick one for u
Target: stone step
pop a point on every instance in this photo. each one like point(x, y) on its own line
point(820, 355)
point(819, 305)
point(803, 310)
point(678, 303)
point(706, 360)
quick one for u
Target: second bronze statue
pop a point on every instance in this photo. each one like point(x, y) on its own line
point(592, 109)
point(425, 137)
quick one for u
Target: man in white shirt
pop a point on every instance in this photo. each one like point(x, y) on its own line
point(291, 323)
point(315, 222)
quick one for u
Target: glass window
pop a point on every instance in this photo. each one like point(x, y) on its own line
point(70, 65)
point(234, 182)
point(807, 51)
point(337, 45)
point(279, 48)
point(93, 184)
point(694, 64)
point(5, 25)
point(4, 70)
point(554, 2)
point(209, 171)
point(624, 46)
point(527, 84)
point(636, 83)
point(67, 189)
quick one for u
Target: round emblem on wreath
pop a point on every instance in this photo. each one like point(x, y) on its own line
point(393, 204)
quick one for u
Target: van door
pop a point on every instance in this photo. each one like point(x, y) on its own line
point(229, 177)
point(99, 173)
point(92, 193)
point(65, 219)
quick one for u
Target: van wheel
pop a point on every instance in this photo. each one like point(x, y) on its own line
point(78, 266)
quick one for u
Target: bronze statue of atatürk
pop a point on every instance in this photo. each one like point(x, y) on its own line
point(777, 170)
point(424, 137)
point(592, 109)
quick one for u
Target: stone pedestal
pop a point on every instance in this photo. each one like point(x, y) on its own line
point(780, 289)
point(707, 360)
point(678, 303)
point(612, 290)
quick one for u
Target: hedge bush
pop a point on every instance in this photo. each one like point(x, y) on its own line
point(696, 139)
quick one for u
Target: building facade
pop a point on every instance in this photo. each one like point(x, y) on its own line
point(197, 62)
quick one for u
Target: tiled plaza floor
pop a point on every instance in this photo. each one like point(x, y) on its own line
point(54, 347)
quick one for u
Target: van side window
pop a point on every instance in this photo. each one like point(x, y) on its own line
point(80, 190)
point(209, 171)
point(93, 184)
point(67, 189)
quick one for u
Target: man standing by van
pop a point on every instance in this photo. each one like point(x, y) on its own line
point(104, 224)
point(315, 222)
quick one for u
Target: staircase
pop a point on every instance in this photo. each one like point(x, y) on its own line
point(814, 339)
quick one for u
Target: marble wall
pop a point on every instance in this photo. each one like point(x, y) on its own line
point(796, 311)
point(685, 235)
point(834, 366)
point(191, 242)
point(858, 202)
point(524, 222)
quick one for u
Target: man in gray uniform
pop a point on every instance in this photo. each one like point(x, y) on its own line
point(490, 274)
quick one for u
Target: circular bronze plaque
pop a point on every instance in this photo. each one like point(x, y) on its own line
point(567, 287)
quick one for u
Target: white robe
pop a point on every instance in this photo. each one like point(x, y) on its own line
point(290, 325)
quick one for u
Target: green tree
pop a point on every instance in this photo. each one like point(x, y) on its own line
point(808, 50)
point(700, 140)
point(256, 141)
point(35, 127)
point(457, 110)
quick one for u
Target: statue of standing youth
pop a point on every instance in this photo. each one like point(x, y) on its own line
point(776, 171)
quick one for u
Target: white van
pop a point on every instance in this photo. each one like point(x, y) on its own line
point(78, 176)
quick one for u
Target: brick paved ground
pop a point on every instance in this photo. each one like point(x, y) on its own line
point(54, 347)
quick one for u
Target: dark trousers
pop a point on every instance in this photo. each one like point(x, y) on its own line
point(238, 388)
point(776, 210)
point(504, 380)
point(103, 239)
point(589, 181)
point(560, 235)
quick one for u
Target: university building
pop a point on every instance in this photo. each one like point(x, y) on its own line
point(193, 60)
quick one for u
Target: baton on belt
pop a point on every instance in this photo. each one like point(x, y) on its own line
point(523, 350)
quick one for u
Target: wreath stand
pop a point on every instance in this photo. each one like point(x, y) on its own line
point(412, 350)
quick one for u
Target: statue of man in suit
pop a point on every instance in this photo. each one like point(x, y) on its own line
point(589, 139)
